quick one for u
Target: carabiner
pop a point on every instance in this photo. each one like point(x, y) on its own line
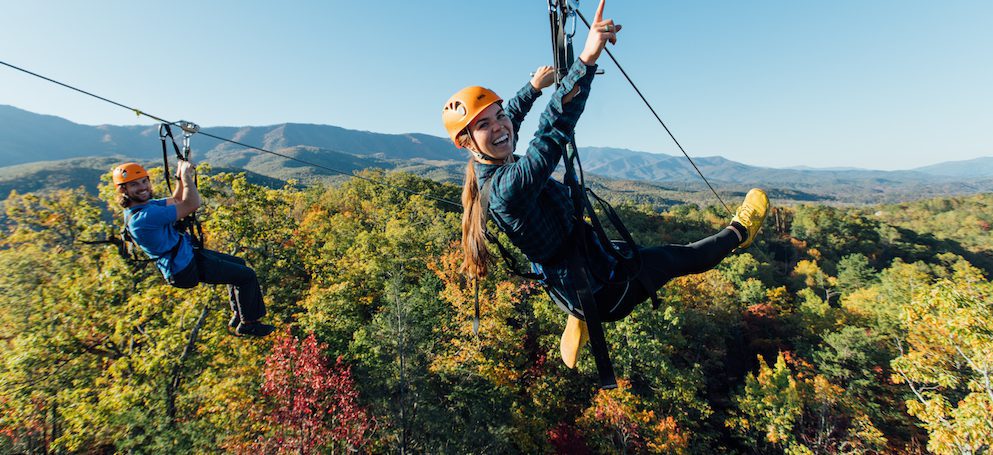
point(571, 13)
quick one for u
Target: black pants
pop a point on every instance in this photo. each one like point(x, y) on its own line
point(659, 264)
point(212, 267)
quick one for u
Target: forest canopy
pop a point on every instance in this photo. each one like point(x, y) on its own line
point(843, 330)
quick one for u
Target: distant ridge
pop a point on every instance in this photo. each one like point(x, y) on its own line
point(840, 168)
point(26, 137)
point(974, 168)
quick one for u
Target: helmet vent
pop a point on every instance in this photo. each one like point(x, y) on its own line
point(458, 107)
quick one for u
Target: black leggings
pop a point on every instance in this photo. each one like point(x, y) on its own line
point(659, 264)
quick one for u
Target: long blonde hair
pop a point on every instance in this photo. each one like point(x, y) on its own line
point(476, 256)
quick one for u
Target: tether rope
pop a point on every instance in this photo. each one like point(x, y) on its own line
point(657, 117)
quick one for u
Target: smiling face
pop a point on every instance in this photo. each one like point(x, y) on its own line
point(492, 133)
point(138, 191)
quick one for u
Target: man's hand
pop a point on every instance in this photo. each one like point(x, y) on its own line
point(186, 170)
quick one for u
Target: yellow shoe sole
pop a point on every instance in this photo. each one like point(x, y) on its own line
point(574, 337)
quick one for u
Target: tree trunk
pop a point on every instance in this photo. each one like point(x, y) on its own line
point(177, 370)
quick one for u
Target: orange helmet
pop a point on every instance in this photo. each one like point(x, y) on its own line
point(463, 107)
point(128, 172)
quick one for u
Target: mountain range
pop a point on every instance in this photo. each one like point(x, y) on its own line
point(27, 138)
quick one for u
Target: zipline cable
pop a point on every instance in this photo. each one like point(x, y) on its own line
point(136, 111)
point(309, 163)
point(657, 117)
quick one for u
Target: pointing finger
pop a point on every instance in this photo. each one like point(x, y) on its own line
point(599, 12)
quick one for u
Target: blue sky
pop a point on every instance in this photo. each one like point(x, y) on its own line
point(872, 84)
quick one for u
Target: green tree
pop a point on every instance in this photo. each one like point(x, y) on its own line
point(768, 408)
point(854, 272)
point(946, 360)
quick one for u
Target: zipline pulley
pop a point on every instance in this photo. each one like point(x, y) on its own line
point(189, 129)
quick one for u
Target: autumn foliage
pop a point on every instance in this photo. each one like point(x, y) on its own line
point(311, 405)
point(841, 330)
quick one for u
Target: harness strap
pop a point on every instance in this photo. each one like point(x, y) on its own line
point(508, 257)
point(631, 263)
point(190, 223)
point(591, 313)
point(118, 242)
point(126, 236)
point(584, 292)
point(166, 132)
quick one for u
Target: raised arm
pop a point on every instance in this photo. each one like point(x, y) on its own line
point(558, 121)
point(177, 194)
point(188, 200)
point(518, 107)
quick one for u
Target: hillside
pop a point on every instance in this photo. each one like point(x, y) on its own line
point(26, 137)
point(976, 168)
point(967, 220)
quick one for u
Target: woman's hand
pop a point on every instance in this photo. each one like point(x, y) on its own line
point(601, 31)
point(543, 77)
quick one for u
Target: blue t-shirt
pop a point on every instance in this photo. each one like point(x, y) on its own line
point(151, 225)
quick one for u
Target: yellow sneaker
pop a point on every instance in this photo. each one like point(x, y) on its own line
point(573, 339)
point(752, 214)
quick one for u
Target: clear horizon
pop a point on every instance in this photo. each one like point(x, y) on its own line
point(885, 85)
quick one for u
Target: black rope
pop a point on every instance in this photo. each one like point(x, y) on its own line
point(309, 163)
point(657, 117)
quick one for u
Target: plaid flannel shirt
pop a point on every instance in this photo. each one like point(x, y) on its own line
point(534, 210)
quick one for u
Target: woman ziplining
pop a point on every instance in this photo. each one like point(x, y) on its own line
point(539, 216)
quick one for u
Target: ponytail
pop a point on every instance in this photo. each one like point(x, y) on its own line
point(476, 254)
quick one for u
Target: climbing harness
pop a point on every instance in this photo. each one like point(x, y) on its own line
point(576, 248)
point(189, 224)
point(560, 15)
point(126, 247)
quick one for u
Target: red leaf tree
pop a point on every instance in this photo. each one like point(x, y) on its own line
point(312, 406)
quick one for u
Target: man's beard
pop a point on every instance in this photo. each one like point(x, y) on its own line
point(141, 200)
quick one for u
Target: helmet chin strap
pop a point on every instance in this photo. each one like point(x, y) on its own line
point(482, 156)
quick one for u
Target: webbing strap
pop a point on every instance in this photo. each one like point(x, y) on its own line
point(166, 132)
point(475, 320)
point(508, 257)
point(591, 313)
point(598, 341)
point(126, 237)
point(190, 223)
point(117, 242)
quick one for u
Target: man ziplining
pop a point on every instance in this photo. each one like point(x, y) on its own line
point(151, 223)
